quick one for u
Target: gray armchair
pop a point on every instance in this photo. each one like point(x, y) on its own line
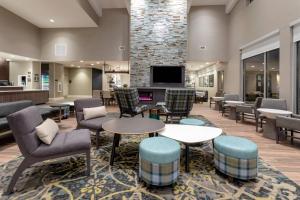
point(287, 124)
point(92, 124)
point(279, 104)
point(23, 123)
point(228, 97)
point(249, 111)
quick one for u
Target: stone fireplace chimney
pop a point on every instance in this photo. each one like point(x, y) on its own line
point(158, 36)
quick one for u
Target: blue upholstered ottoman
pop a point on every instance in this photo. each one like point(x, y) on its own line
point(191, 121)
point(236, 157)
point(159, 161)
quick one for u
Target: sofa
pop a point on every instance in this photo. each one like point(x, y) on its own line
point(12, 107)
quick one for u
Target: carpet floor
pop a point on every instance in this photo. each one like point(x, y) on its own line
point(65, 178)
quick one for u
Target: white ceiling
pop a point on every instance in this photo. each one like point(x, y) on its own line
point(66, 13)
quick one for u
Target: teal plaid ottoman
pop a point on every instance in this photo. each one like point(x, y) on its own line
point(159, 161)
point(236, 157)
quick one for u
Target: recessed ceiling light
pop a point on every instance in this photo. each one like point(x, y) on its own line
point(51, 20)
point(207, 63)
point(98, 63)
point(92, 64)
point(81, 61)
point(8, 59)
point(78, 66)
point(252, 66)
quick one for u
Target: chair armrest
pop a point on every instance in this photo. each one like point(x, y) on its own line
point(288, 123)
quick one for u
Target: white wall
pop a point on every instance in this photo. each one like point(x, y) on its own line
point(81, 82)
point(208, 71)
point(17, 36)
point(101, 43)
point(208, 26)
point(18, 68)
point(247, 23)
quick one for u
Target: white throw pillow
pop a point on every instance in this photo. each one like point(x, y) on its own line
point(47, 131)
point(90, 113)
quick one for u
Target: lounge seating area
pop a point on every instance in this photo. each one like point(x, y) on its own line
point(149, 100)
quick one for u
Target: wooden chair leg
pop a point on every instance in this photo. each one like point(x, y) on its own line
point(24, 165)
point(88, 163)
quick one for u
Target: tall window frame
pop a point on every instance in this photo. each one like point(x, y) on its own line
point(264, 79)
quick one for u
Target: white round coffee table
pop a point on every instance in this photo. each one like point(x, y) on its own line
point(270, 115)
point(189, 135)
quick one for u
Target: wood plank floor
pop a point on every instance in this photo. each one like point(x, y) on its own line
point(284, 157)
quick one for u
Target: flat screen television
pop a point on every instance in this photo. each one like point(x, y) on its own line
point(167, 76)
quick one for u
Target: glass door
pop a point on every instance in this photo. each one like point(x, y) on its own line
point(273, 75)
point(298, 79)
point(254, 77)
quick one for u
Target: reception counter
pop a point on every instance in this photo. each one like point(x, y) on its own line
point(36, 96)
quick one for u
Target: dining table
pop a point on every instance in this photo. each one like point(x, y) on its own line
point(270, 130)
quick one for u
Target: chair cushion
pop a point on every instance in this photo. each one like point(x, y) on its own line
point(94, 124)
point(90, 113)
point(4, 124)
point(236, 147)
point(64, 143)
point(191, 121)
point(159, 150)
point(47, 131)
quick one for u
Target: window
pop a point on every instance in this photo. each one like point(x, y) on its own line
point(273, 76)
point(253, 77)
point(261, 76)
point(298, 78)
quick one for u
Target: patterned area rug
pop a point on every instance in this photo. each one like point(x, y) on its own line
point(64, 178)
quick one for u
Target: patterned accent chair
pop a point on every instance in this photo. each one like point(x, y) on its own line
point(178, 102)
point(287, 125)
point(94, 124)
point(279, 104)
point(128, 101)
point(23, 124)
point(228, 97)
point(249, 111)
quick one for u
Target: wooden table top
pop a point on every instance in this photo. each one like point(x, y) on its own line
point(133, 126)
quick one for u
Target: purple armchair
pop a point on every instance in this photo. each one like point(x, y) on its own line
point(23, 123)
point(92, 124)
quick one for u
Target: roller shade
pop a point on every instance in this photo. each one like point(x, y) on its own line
point(261, 45)
point(296, 33)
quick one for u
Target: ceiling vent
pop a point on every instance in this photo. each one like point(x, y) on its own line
point(60, 50)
